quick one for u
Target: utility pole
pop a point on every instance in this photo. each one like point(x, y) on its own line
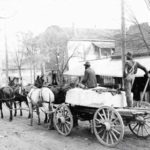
point(6, 49)
point(6, 53)
point(123, 39)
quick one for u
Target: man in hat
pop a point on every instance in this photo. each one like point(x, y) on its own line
point(89, 79)
point(131, 67)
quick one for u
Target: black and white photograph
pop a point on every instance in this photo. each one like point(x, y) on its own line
point(74, 74)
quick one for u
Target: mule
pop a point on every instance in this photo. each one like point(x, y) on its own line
point(40, 98)
point(7, 96)
point(19, 95)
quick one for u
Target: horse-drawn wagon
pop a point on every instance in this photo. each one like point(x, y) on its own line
point(106, 110)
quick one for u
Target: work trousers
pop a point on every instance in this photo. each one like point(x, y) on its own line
point(128, 88)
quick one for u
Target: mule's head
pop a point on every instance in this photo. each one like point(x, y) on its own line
point(39, 81)
point(11, 81)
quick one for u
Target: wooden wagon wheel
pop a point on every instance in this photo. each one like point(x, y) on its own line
point(63, 120)
point(141, 127)
point(108, 126)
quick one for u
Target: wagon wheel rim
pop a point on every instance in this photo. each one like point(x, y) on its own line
point(141, 127)
point(63, 120)
point(108, 126)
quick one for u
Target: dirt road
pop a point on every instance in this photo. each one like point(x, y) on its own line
point(19, 135)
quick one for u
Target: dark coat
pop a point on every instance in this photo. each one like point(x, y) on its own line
point(89, 78)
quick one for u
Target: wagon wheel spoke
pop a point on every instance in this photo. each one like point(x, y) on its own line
point(104, 134)
point(147, 125)
point(108, 114)
point(100, 116)
point(114, 121)
point(65, 131)
point(67, 127)
point(60, 127)
point(107, 137)
point(135, 126)
point(147, 117)
point(67, 122)
point(116, 131)
point(98, 126)
point(99, 132)
point(99, 121)
point(114, 135)
point(111, 138)
point(104, 114)
point(148, 121)
point(112, 116)
point(142, 129)
point(116, 126)
point(146, 130)
point(67, 117)
point(138, 129)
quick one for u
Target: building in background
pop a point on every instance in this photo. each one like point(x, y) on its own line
point(83, 50)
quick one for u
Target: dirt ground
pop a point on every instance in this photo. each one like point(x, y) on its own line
point(19, 135)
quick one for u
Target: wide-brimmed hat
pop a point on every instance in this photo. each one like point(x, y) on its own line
point(129, 55)
point(87, 64)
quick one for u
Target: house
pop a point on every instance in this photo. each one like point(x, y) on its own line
point(83, 50)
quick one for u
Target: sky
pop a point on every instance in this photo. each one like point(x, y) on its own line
point(37, 15)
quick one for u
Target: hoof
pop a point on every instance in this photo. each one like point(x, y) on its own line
point(31, 124)
point(51, 128)
point(45, 121)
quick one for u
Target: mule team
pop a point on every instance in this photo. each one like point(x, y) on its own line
point(35, 97)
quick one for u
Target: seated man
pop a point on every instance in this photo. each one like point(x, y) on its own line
point(89, 79)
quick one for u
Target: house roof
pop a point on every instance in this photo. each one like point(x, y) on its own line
point(106, 44)
point(108, 67)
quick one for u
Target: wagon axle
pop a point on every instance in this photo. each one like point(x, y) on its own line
point(61, 119)
point(107, 126)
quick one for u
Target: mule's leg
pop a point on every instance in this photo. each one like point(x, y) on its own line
point(1, 108)
point(26, 102)
point(38, 113)
point(51, 125)
point(31, 113)
point(45, 120)
point(15, 106)
point(9, 105)
point(11, 111)
point(20, 108)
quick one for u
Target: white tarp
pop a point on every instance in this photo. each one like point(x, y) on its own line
point(107, 67)
point(89, 98)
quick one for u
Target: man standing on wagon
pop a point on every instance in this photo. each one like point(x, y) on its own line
point(131, 67)
point(89, 79)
